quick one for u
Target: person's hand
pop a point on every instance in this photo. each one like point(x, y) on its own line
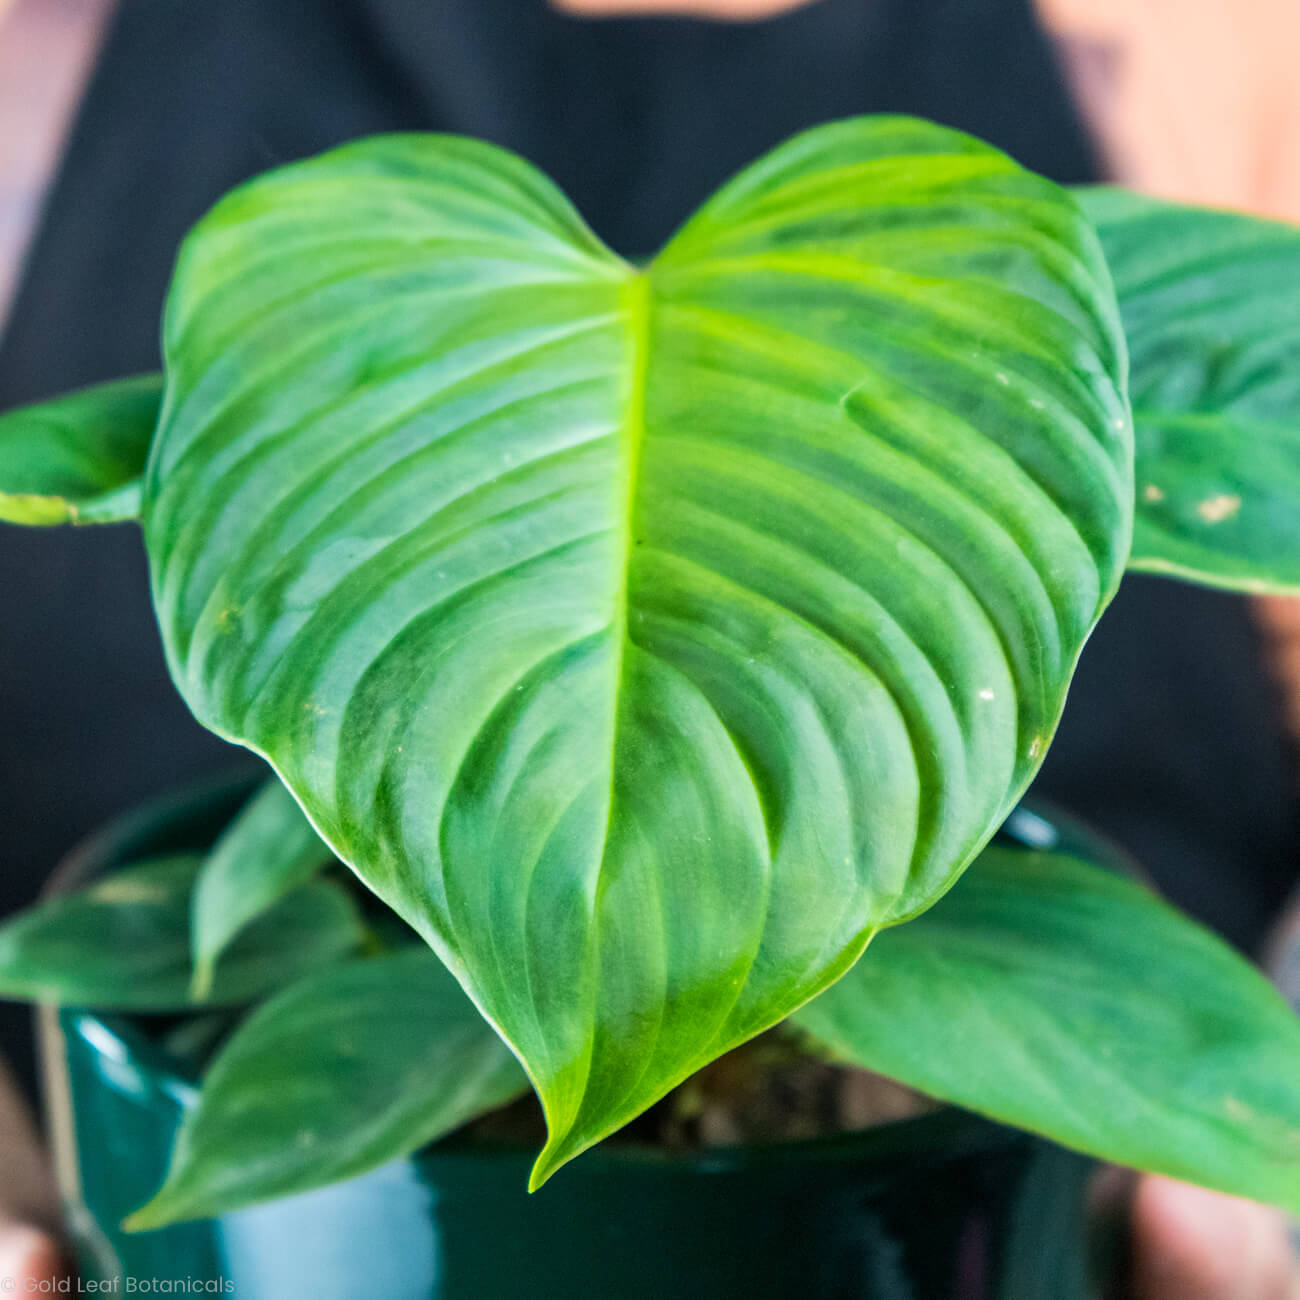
point(29, 1260)
point(1193, 1244)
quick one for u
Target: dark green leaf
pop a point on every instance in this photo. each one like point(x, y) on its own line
point(348, 1069)
point(78, 459)
point(1056, 996)
point(645, 638)
point(1211, 305)
point(268, 850)
point(124, 942)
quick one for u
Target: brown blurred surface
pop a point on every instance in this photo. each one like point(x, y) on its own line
point(734, 10)
point(27, 1193)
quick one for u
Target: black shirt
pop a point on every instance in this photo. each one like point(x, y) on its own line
point(1172, 740)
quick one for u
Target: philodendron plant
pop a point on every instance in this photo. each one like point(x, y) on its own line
point(664, 644)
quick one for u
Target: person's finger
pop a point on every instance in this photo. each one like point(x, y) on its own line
point(1194, 1244)
point(28, 1256)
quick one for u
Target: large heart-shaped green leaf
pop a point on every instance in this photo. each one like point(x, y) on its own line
point(337, 1074)
point(266, 852)
point(124, 942)
point(78, 459)
point(1062, 998)
point(647, 638)
point(1211, 306)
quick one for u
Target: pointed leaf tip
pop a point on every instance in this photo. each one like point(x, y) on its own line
point(1056, 996)
point(644, 642)
point(337, 1074)
point(78, 458)
point(265, 853)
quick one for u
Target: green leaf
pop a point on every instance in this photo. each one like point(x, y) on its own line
point(1061, 998)
point(78, 459)
point(344, 1071)
point(645, 638)
point(1211, 306)
point(123, 942)
point(267, 851)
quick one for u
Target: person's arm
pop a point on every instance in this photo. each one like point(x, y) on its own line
point(46, 49)
point(1195, 100)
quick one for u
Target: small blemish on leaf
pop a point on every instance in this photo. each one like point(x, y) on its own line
point(852, 392)
point(986, 693)
point(1001, 378)
point(1214, 510)
point(1035, 747)
point(1152, 493)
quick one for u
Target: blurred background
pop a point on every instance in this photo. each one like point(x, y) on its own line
point(120, 123)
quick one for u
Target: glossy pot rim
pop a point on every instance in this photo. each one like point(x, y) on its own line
point(944, 1132)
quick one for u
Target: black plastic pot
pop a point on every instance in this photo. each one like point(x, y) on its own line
point(946, 1207)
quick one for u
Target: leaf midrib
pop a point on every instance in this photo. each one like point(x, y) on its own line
point(635, 303)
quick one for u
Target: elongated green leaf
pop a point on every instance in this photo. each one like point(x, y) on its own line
point(124, 942)
point(1211, 305)
point(1059, 997)
point(269, 850)
point(645, 638)
point(347, 1069)
point(78, 459)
